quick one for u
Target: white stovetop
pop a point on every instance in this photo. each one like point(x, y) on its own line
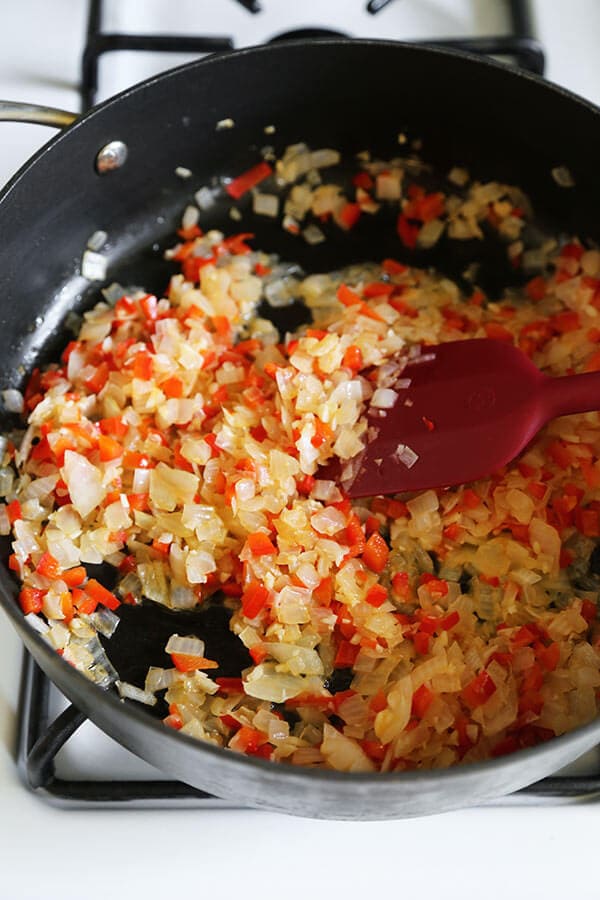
point(526, 852)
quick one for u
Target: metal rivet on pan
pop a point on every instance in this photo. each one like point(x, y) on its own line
point(111, 156)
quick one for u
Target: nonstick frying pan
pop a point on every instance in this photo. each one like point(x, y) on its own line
point(351, 95)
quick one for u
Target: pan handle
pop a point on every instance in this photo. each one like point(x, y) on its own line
point(10, 111)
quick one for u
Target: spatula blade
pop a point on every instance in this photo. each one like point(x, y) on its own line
point(471, 407)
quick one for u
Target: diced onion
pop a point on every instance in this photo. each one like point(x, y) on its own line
point(562, 176)
point(94, 266)
point(189, 646)
point(265, 204)
point(313, 235)
point(384, 398)
point(205, 198)
point(190, 217)
point(406, 455)
point(13, 400)
point(131, 692)
point(97, 240)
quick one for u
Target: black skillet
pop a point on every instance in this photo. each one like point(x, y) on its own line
point(351, 95)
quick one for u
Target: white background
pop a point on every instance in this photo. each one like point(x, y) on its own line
point(547, 852)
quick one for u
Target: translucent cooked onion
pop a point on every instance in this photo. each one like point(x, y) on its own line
point(158, 679)
point(13, 400)
point(265, 204)
point(97, 240)
point(183, 597)
point(343, 753)
point(313, 235)
point(131, 692)
point(84, 482)
point(189, 646)
point(205, 198)
point(384, 398)
point(326, 491)
point(190, 217)
point(105, 621)
point(94, 266)
point(406, 455)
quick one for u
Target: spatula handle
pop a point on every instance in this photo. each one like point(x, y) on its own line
point(571, 394)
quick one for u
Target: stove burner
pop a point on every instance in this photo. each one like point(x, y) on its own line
point(304, 33)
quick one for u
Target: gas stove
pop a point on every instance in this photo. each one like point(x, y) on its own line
point(62, 757)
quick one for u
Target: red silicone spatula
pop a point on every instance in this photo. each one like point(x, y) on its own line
point(471, 409)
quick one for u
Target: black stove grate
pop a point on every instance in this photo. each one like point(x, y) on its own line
point(520, 45)
point(40, 740)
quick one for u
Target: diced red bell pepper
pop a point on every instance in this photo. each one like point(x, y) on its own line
point(589, 611)
point(437, 587)
point(142, 366)
point(323, 593)
point(549, 656)
point(250, 740)
point(247, 180)
point(96, 382)
point(507, 745)
point(376, 595)
point(565, 321)
point(99, 593)
point(453, 532)
point(31, 600)
point(230, 685)
point(84, 604)
point(378, 289)
point(305, 484)
point(393, 267)
point(421, 642)
point(353, 358)
point(362, 180)
point(524, 637)
point(254, 599)
point(172, 387)
point(587, 522)
point(74, 577)
point(479, 690)
point(469, 499)
point(149, 307)
point(113, 426)
point(497, 332)
point(560, 454)
point(448, 622)
point(421, 701)
point(14, 511)
point(407, 231)
point(48, 566)
point(346, 655)
point(189, 662)
point(347, 296)
point(401, 585)
point(348, 216)
point(258, 654)
point(536, 289)
point(261, 545)
point(109, 448)
point(376, 553)
point(375, 750)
